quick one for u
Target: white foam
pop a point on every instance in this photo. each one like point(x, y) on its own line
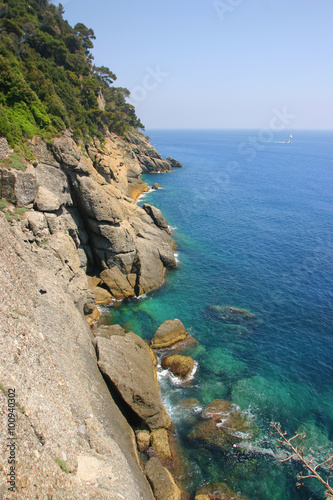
point(176, 254)
point(177, 381)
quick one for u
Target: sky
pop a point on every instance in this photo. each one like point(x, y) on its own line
point(217, 63)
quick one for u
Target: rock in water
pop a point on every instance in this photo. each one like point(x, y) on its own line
point(223, 425)
point(162, 483)
point(170, 332)
point(181, 366)
point(233, 314)
point(126, 363)
point(157, 186)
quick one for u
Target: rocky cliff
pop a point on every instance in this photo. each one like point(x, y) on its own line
point(68, 213)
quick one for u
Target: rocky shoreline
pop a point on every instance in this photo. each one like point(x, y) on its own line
point(70, 227)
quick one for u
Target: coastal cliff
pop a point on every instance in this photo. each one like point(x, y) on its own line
point(69, 212)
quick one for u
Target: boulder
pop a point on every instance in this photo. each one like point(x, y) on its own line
point(142, 440)
point(136, 187)
point(117, 283)
point(37, 223)
point(169, 332)
point(181, 366)
point(160, 444)
point(46, 201)
point(127, 365)
point(26, 187)
point(157, 186)
point(162, 483)
point(157, 217)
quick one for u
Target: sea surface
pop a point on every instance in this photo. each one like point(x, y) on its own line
point(253, 219)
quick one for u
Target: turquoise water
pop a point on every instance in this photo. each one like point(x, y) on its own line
point(253, 222)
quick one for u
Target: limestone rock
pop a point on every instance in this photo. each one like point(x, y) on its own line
point(117, 283)
point(163, 485)
point(157, 216)
point(181, 366)
point(169, 332)
point(126, 363)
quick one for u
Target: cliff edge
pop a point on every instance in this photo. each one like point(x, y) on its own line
point(68, 213)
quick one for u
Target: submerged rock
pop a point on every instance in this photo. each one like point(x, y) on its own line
point(181, 366)
point(233, 314)
point(169, 332)
point(223, 425)
point(217, 491)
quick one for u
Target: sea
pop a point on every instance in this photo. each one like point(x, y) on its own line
point(252, 216)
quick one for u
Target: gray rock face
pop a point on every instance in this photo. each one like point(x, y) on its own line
point(65, 410)
point(126, 362)
point(86, 198)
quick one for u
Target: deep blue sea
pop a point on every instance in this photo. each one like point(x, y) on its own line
point(253, 221)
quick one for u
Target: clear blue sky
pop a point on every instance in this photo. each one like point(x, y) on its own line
point(220, 63)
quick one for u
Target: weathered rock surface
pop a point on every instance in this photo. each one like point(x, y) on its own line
point(157, 186)
point(163, 485)
point(160, 443)
point(126, 364)
point(169, 332)
point(181, 366)
point(64, 409)
point(87, 194)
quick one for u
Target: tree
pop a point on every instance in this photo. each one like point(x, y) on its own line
point(86, 35)
point(297, 452)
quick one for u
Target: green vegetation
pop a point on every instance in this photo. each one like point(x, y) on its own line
point(62, 464)
point(47, 79)
point(3, 204)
